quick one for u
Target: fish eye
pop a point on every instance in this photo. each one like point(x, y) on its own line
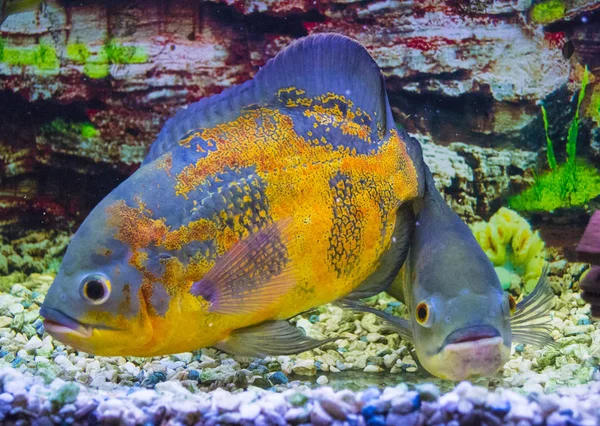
point(422, 314)
point(512, 304)
point(509, 305)
point(95, 289)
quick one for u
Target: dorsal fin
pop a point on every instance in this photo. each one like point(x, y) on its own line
point(316, 64)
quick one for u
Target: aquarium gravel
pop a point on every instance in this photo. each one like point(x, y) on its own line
point(45, 380)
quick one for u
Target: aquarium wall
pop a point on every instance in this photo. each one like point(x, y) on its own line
point(86, 87)
point(503, 95)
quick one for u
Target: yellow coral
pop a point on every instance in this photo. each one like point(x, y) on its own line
point(510, 244)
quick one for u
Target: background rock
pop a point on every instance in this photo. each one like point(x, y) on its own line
point(85, 87)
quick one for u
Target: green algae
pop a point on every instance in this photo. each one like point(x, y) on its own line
point(119, 54)
point(78, 52)
point(41, 56)
point(571, 184)
point(593, 109)
point(97, 65)
point(61, 127)
point(548, 11)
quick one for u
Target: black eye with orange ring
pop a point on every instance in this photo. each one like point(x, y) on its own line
point(422, 313)
point(512, 304)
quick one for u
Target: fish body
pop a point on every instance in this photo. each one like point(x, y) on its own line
point(282, 194)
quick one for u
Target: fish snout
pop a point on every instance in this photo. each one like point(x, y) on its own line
point(57, 323)
point(477, 351)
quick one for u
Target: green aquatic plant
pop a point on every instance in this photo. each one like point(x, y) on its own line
point(573, 183)
point(119, 54)
point(41, 56)
point(60, 126)
point(548, 11)
point(78, 52)
point(593, 109)
point(97, 65)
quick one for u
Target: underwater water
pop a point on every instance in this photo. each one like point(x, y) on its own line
point(503, 97)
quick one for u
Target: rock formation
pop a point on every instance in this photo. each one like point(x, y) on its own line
point(84, 88)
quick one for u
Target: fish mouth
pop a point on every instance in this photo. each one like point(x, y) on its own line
point(474, 352)
point(59, 323)
point(471, 334)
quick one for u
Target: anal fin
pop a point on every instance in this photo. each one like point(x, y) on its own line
point(270, 338)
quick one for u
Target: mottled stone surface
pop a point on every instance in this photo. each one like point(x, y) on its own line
point(473, 179)
point(469, 72)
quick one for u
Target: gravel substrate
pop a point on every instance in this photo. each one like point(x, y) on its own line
point(26, 398)
point(47, 381)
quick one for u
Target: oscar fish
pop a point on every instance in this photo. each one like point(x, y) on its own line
point(290, 191)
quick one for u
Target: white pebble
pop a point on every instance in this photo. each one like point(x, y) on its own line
point(372, 369)
point(322, 380)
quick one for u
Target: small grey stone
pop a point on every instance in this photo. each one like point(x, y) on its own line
point(370, 394)
point(274, 418)
point(428, 391)
point(297, 415)
point(394, 419)
point(319, 417)
point(336, 408)
point(230, 418)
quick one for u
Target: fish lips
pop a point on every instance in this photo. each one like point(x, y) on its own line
point(59, 323)
point(471, 334)
point(477, 351)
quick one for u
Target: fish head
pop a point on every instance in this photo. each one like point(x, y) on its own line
point(460, 315)
point(96, 303)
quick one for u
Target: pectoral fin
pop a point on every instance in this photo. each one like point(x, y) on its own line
point(530, 323)
point(270, 338)
point(252, 275)
point(392, 323)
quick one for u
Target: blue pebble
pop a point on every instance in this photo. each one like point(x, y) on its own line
point(369, 411)
point(314, 318)
point(378, 420)
point(394, 304)
point(416, 401)
point(566, 412)
point(363, 338)
point(500, 409)
point(3, 353)
point(261, 369)
point(318, 365)
point(193, 375)
point(584, 321)
point(389, 310)
point(519, 348)
point(278, 378)
point(34, 294)
point(342, 350)
point(26, 303)
point(17, 361)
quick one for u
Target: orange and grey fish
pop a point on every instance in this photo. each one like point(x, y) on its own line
point(290, 191)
